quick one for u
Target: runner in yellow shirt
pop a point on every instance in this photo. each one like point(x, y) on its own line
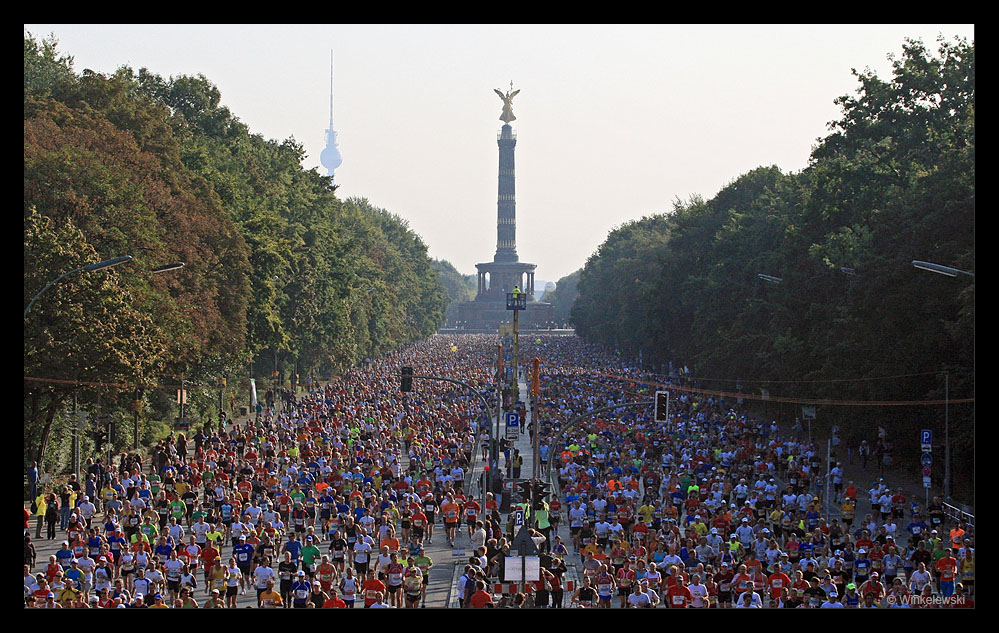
point(270, 599)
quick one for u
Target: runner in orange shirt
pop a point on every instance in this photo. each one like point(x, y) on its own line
point(451, 513)
point(742, 583)
point(947, 570)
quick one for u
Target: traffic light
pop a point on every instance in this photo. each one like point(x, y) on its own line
point(524, 487)
point(541, 490)
point(407, 379)
point(662, 406)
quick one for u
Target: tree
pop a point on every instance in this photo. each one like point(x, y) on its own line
point(84, 329)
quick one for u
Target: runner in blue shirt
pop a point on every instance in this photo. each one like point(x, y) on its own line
point(243, 553)
point(293, 546)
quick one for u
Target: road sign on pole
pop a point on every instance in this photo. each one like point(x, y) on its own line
point(512, 425)
point(926, 440)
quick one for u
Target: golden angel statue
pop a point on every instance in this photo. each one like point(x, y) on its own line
point(507, 98)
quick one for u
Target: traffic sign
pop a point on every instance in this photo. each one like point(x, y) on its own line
point(926, 459)
point(512, 425)
point(926, 482)
point(926, 471)
point(926, 440)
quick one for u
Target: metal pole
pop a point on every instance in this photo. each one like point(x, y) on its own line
point(135, 420)
point(494, 431)
point(947, 435)
point(828, 473)
point(668, 394)
point(533, 401)
point(110, 439)
point(76, 438)
point(515, 392)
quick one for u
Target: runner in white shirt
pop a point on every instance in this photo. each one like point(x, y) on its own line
point(262, 574)
point(698, 593)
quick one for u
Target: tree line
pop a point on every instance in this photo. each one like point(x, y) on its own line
point(281, 278)
point(801, 285)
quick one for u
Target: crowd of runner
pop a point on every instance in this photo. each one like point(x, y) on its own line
point(330, 499)
point(714, 509)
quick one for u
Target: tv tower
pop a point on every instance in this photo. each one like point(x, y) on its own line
point(330, 157)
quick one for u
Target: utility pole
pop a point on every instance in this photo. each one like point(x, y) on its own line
point(534, 392)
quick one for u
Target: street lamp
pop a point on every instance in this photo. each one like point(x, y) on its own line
point(107, 263)
point(937, 268)
point(166, 267)
point(949, 272)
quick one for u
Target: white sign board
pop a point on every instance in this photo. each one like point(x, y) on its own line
point(512, 568)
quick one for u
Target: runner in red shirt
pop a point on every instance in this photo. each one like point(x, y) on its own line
point(371, 587)
point(777, 582)
point(326, 574)
point(209, 558)
point(333, 602)
point(481, 599)
point(678, 596)
point(418, 523)
point(724, 579)
point(626, 578)
point(471, 516)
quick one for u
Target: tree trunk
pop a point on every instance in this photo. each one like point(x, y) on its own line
point(54, 403)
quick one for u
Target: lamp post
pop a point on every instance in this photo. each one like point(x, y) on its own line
point(949, 272)
point(107, 263)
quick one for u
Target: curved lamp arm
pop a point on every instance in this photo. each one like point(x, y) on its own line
point(107, 263)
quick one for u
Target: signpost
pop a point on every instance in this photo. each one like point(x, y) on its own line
point(926, 459)
point(524, 559)
point(808, 413)
point(512, 425)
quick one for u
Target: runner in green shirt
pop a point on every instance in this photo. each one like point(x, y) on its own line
point(424, 563)
point(178, 509)
point(310, 554)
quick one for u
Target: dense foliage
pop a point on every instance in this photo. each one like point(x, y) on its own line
point(460, 288)
point(280, 276)
point(802, 284)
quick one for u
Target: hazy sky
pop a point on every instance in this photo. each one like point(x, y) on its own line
point(613, 122)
